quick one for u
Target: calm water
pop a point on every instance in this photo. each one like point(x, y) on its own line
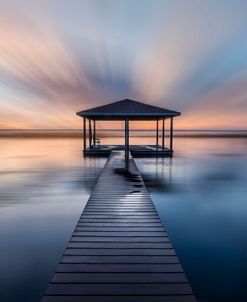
point(200, 194)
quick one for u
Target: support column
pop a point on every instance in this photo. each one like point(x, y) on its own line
point(163, 133)
point(127, 138)
point(90, 134)
point(157, 133)
point(94, 132)
point(84, 134)
point(171, 133)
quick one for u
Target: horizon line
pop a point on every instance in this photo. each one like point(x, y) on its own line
point(122, 129)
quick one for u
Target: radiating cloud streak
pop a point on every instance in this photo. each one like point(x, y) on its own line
point(58, 57)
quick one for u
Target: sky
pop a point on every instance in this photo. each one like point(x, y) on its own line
point(58, 57)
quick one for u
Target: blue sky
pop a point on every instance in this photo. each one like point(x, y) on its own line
point(58, 57)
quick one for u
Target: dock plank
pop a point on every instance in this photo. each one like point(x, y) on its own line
point(120, 245)
point(119, 268)
point(119, 250)
point(122, 298)
point(120, 259)
point(119, 234)
point(119, 278)
point(119, 230)
point(119, 289)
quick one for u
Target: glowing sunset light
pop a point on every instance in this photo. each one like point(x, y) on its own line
point(59, 57)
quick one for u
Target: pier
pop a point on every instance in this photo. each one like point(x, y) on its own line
point(119, 250)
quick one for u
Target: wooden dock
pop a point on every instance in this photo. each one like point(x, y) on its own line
point(119, 250)
point(136, 150)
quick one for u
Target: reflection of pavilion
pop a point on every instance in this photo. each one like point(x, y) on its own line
point(127, 110)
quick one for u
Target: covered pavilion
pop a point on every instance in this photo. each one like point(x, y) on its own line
point(127, 110)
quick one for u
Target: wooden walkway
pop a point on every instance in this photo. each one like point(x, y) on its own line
point(119, 250)
point(136, 150)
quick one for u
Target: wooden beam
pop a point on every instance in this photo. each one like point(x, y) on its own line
point(127, 138)
point(163, 133)
point(157, 132)
point(128, 147)
point(171, 133)
point(94, 132)
point(90, 133)
point(84, 134)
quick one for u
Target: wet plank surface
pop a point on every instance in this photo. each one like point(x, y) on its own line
point(119, 250)
point(136, 150)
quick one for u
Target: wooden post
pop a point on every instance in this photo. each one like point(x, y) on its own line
point(163, 133)
point(171, 133)
point(157, 133)
point(94, 132)
point(90, 133)
point(84, 134)
point(127, 138)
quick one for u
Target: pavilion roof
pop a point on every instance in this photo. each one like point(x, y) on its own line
point(127, 109)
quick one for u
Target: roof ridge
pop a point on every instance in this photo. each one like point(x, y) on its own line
point(127, 107)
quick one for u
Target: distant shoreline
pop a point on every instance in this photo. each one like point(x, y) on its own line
point(75, 133)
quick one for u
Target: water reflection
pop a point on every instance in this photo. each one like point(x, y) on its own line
point(44, 185)
point(200, 195)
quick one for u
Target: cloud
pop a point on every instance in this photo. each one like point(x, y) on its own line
point(58, 57)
